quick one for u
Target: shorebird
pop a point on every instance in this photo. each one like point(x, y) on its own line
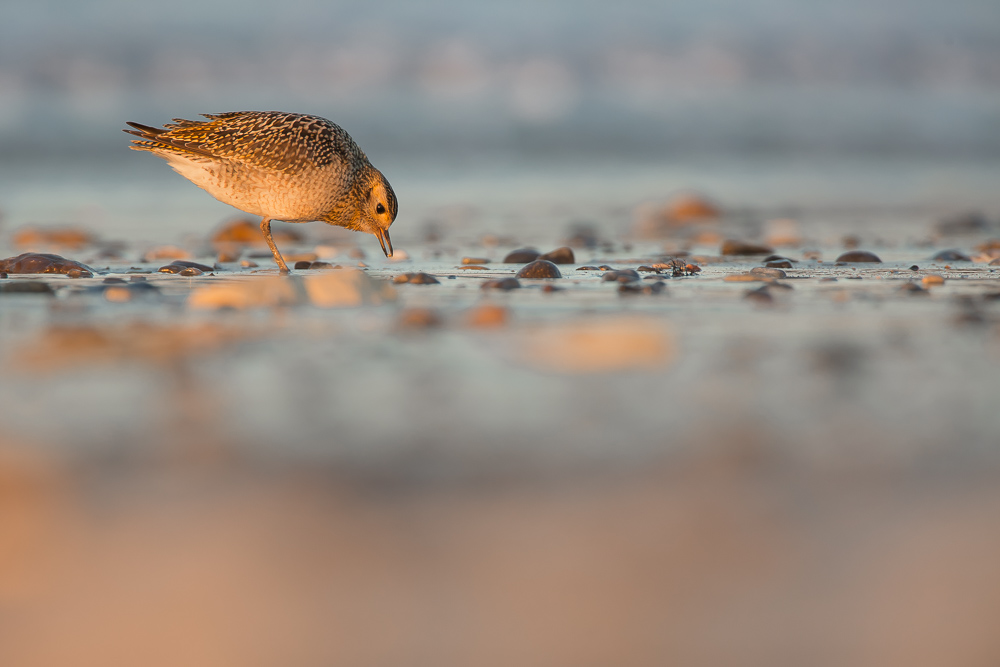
point(281, 166)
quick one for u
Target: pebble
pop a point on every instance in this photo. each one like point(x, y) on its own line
point(416, 279)
point(859, 257)
point(504, 284)
point(475, 260)
point(170, 252)
point(539, 269)
point(419, 318)
point(472, 267)
point(487, 316)
point(302, 264)
point(636, 288)
point(244, 231)
point(647, 269)
point(994, 262)
point(521, 256)
point(778, 264)
point(914, 268)
point(767, 272)
point(563, 255)
point(913, 288)
point(26, 287)
point(621, 276)
point(761, 296)
point(933, 279)
point(180, 265)
point(249, 264)
point(191, 271)
point(321, 265)
point(736, 247)
point(29, 262)
point(72, 238)
point(951, 256)
point(587, 268)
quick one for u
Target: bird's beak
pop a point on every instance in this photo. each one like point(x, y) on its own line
point(383, 238)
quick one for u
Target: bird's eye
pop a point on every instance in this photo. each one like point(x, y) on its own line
point(380, 209)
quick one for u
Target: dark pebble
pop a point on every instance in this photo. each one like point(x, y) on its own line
point(735, 247)
point(951, 256)
point(766, 272)
point(562, 255)
point(37, 262)
point(621, 276)
point(647, 269)
point(180, 265)
point(778, 258)
point(605, 267)
point(587, 268)
point(191, 265)
point(540, 268)
point(2, 275)
point(914, 268)
point(859, 257)
point(303, 264)
point(504, 284)
point(416, 279)
point(638, 288)
point(191, 271)
point(779, 264)
point(25, 287)
point(913, 288)
point(521, 256)
point(113, 281)
point(760, 296)
point(318, 265)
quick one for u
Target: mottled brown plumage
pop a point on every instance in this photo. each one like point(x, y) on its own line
point(280, 166)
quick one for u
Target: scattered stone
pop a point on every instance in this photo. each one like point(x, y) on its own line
point(621, 276)
point(521, 256)
point(302, 264)
point(36, 237)
point(419, 318)
point(562, 255)
point(487, 316)
point(416, 279)
point(647, 269)
point(248, 264)
point(913, 288)
point(246, 232)
point(191, 271)
point(859, 257)
point(914, 268)
point(168, 252)
point(504, 284)
point(828, 279)
point(320, 265)
point(26, 287)
point(780, 264)
point(475, 260)
point(587, 268)
point(932, 279)
point(638, 288)
point(767, 272)
point(30, 262)
point(179, 265)
point(3, 276)
point(761, 296)
point(736, 247)
point(539, 269)
point(951, 256)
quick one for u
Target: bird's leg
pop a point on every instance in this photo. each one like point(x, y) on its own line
point(265, 227)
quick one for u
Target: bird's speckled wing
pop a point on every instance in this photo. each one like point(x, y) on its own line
point(270, 140)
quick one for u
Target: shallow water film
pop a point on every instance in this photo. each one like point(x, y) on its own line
point(688, 351)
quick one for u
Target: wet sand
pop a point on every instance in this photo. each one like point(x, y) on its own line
point(234, 467)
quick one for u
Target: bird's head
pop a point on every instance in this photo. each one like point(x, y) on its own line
point(378, 208)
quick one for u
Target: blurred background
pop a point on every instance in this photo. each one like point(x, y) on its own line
point(809, 482)
point(887, 102)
